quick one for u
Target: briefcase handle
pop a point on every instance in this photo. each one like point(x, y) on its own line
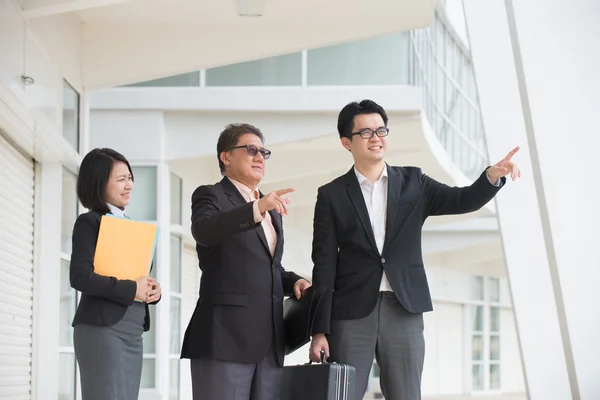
point(323, 359)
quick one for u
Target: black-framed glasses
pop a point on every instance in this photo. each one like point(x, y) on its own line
point(368, 133)
point(253, 150)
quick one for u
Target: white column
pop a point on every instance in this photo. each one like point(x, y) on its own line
point(537, 74)
point(46, 280)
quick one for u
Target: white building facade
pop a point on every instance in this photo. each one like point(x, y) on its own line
point(430, 68)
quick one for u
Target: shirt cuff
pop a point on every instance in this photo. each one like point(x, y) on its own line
point(257, 215)
point(498, 181)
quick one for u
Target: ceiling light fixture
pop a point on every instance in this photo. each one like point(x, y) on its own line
point(250, 8)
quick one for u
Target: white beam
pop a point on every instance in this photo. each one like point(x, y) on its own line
point(45, 8)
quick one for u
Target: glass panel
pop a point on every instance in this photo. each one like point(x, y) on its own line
point(382, 60)
point(495, 377)
point(143, 199)
point(182, 80)
point(477, 288)
point(68, 305)
point(494, 285)
point(477, 347)
point(495, 319)
point(175, 325)
point(175, 264)
point(285, 70)
point(66, 382)
point(174, 380)
point(494, 348)
point(477, 377)
point(70, 115)
point(176, 188)
point(477, 316)
point(149, 337)
point(148, 374)
point(68, 209)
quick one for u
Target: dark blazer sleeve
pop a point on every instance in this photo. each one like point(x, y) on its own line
point(324, 256)
point(211, 226)
point(83, 278)
point(441, 199)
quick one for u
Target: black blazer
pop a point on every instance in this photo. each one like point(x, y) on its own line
point(240, 309)
point(347, 265)
point(104, 300)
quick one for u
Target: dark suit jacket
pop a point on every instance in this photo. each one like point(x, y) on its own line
point(347, 265)
point(240, 309)
point(104, 300)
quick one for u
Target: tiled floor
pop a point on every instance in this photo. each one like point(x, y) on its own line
point(515, 396)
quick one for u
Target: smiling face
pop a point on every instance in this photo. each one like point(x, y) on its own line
point(366, 151)
point(243, 167)
point(119, 186)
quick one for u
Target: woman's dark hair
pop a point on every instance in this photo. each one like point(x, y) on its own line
point(94, 173)
point(346, 117)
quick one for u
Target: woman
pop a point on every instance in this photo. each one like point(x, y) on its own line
point(108, 324)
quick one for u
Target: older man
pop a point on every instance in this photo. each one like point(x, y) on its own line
point(235, 339)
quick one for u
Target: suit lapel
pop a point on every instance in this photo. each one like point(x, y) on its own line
point(358, 201)
point(276, 221)
point(236, 198)
point(399, 205)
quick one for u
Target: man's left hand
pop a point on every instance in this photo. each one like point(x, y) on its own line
point(505, 167)
point(300, 287)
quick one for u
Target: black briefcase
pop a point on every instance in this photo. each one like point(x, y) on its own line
point(318, 382)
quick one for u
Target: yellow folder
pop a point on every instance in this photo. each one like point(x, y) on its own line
point(125, 248)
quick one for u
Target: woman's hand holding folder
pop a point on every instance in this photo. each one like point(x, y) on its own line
point(144, 287)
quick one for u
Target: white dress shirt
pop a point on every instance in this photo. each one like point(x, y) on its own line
point(253, 195)
point(116, 211)
point(376, 197)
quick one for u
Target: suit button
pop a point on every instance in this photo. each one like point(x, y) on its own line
point(274, 297)
point(382, 260)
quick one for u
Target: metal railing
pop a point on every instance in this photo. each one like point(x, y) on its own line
point(442, 67)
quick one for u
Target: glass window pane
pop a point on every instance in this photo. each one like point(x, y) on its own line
point(148, 374)
point(284, 70)
point(68, 305)
point(182, 80)
point(175, 264)
point(477, 347)
point(143, 199)
point(494, 348)
point(477, 318)
point(176, 187)
point(70, 115)
point(382, 60)
point(495, 319)
point(495, 377)
point(149, 337)
point(68, 210)
point(494, 285)
point(175, 325)
point(477, 288)
point(477, 377)
point(174, 380)
point(66, 383)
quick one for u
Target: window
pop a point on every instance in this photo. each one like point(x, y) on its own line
point(176, 188)
point(68, 295)
point(175, 314)
point(485, 314)
point(182, 80)
point(70, 115)
point(143, 200)
point(285, 70)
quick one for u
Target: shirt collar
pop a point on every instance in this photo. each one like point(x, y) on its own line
point(114, 210)
point(244, 190)
point(362, 179)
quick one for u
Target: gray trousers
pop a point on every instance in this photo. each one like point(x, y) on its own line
point(394, 337)
point(223, 380)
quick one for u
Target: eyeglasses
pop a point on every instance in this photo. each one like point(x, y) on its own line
point(368, 133)
point(253, 150)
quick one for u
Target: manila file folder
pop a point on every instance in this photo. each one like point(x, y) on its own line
point(125, 248)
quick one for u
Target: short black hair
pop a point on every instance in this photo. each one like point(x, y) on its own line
point(345, 124)
point(94, 173)
point(231, 135)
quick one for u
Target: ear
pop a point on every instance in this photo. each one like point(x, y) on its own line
point(346, 143)
point(224, 157)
